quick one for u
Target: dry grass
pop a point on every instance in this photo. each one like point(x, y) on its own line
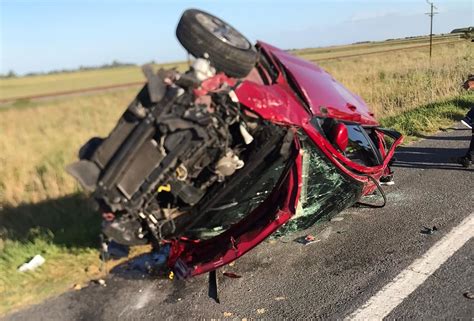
point(44, 84)
point(64, 269)
point(42, 209)
point(371, 47)
point(398, 81)
point(37, 143)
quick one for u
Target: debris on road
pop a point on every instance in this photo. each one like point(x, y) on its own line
point(261, 311)
point(34, 263)
point(337, 219)
point(213, 290)
point(429, 231)
point(100, 282)
point(469, 295)
point(227, 314)
point(280, 298)
point(232, 275)
point(306, 240)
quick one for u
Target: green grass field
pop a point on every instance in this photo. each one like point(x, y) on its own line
point(42, 209)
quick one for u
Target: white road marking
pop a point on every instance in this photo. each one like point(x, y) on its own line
point(391, 295)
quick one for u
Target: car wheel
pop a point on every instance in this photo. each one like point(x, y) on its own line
point(228, 50)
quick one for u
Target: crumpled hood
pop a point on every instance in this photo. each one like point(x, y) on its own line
point(324, 95)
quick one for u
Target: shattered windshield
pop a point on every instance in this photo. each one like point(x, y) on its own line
point(325, 190)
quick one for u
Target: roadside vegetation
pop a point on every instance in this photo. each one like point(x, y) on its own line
point(398, 81)
point(416, 123)
point(43, 211)
point(14, 87)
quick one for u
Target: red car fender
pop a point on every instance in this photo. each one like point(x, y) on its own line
point(275, 103)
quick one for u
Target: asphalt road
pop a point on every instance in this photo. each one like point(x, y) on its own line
point(354, 259)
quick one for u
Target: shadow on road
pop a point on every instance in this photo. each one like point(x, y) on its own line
point(139, 267)
point(431, 157)
point(446, 138)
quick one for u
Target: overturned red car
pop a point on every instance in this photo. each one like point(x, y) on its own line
point(249, 141)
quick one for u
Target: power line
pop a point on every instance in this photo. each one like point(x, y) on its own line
point(431, 14)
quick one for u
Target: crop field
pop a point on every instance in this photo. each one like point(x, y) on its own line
point(42, 209)
point(401, 80)
point(372, 47)
point(71, 81)
point(79, 80)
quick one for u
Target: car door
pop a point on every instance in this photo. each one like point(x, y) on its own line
point(368, 151)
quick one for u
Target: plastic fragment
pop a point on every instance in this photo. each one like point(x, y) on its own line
point(232, 275)
point(429, 231)
point(227, 314)
point(213, 290)
point(34, 263)
point(261, 311)
point(306, 240)
point(469, 295)
point(100, 282)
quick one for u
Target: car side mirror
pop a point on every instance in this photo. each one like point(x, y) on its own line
point(340, 136)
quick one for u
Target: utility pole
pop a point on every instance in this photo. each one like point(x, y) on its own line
point(431, 14)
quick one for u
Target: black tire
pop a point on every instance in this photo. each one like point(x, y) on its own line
point(231, 59)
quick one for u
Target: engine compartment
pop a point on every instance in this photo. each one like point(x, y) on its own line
point(181, 145)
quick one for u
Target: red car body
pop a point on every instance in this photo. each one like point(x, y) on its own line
point(320, 95)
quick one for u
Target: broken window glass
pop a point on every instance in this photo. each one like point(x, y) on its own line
point(360, 148)
point(325, 190)
point(244, 198)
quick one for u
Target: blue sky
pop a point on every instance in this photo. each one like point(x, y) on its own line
point(51, 34)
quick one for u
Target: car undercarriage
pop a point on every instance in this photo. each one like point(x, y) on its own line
point(211, 161)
